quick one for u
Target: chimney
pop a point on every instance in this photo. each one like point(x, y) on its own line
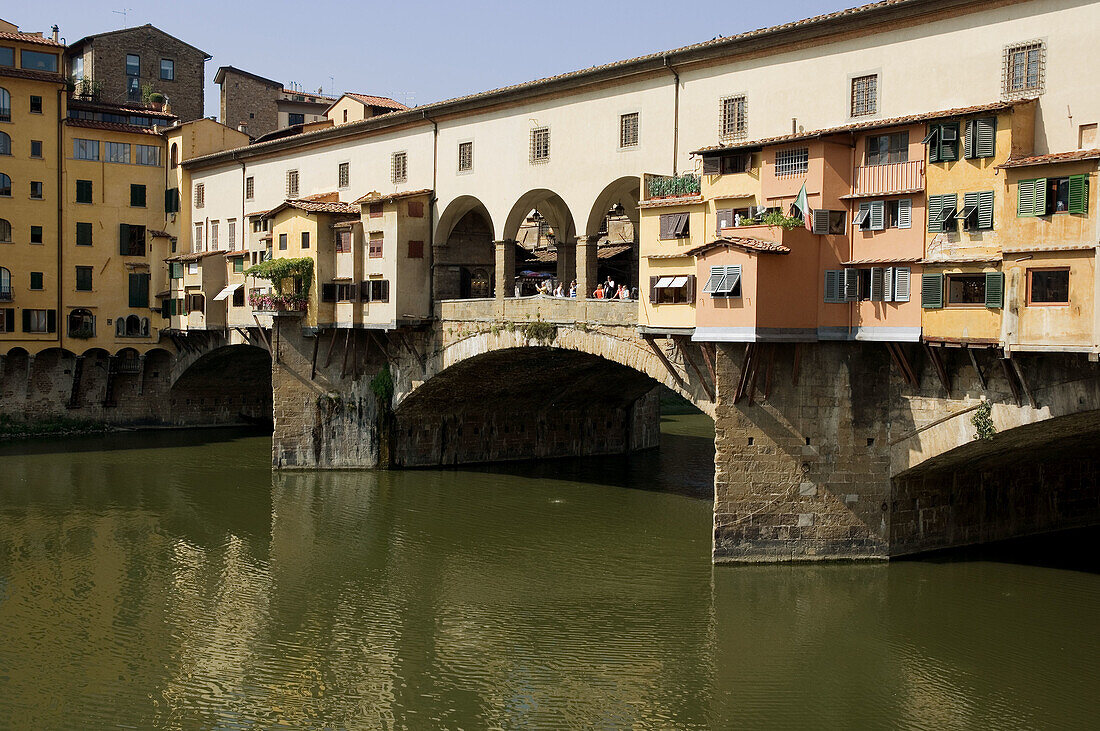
point(242, 127)
point(55, 30)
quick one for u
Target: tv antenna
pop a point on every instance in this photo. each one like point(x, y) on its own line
point(123, 14)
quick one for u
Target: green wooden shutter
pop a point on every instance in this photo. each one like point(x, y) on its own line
point(985, 137)
point(851, 285)
point(124, 239)
point(968, 140)
point(877, 284)
point(26, 320)
point(985, 209)
point(1040, 197)
point(935, 203)
point(878, 215)
point(970, 200)
point(135, 291)
point(932, 140)
point(51, 321)
point(83, 234)
point(1025, 198)
point(1079, 194)
point(931, 291)
point(949, 142)
point(994, 290)
point(905, 213)
point(901, 284)
point(9, 320)
point(832, 286)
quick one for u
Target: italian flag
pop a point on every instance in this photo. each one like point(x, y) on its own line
point(802, 205)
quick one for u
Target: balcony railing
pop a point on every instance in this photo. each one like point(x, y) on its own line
point(671, 186)
point(5, 296)
point(897, 177)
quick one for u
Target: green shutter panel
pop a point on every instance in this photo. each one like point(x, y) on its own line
point(133, 288)
point(933, 143)
point(901, 284)
point(985, 209)
point(985, 142)
point(124, 239)
point(994, 290)
point(51, 321)
point(26, 321)
point(9, 320)
point(877, 284)
point(931, 291)
point(935, 203)
point(851, 285)
point(832, 286)
point(970, 200)
point(1025, 198)
point(949, 142)
point(1079, 194)
point(968, 140)
point(1040, 197)
point(143, 291)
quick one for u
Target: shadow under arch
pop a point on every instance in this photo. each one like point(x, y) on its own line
point(455, 211)
point(624, 191)
point(552, 207)
point(227, 384)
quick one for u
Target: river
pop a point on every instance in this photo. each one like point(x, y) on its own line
point(169, 580)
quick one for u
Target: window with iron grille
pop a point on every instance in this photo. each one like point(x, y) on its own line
point(249, 187)
point(399, 167)
point(628, 130)
point(374, 251)
point(540, 145)
point(465, 156)
point(200, 195)
point(291, 183)
point(344, 174)
point(1023, 69)
point(731, 122)
point(792, 161)
point(864, 95)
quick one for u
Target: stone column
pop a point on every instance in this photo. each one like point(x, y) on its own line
point(505, 272)
point(586, 266)
point(567, 263)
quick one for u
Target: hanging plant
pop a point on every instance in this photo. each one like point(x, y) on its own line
point(278, 271)
point(983, 422)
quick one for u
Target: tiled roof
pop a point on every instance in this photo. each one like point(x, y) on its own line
point(321, 98)
point(33, 75)
point(77, 103)
point(862, 126)
point(239, 252)
point(376, 197)
point(758, 246)
point(684, 200)
point(315, 206)
point(853, 196)
point(376, 101)
point(1047, 247)
point(730, 46)
point(1056, 157)
point(111, 126)
point(30, 38)
point(194, 256)
point(148, 26)
point(962, 260)
point(159, 234)
point(549, 256)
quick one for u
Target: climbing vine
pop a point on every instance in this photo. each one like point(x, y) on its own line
point(279, 270)
point(540, 330)
point(983, 421)
point(382, 387)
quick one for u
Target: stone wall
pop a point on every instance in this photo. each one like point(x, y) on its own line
point(247, 100)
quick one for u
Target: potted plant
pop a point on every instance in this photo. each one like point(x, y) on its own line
point(157, 100)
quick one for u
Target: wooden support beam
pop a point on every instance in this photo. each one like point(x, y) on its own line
point(331, 345)
point(344, 362)
point(977, 368)
point(680, 340)
point(381, 346)
point(762, 355)
point(313, 368)
point(263, 335)
point(747, 366)
point(1010, 376)
point(901, 360)
point(664, 360)
point(768, 372)
point(409, 346)
point(937, 364)
point(711, 360)
point(1023, 382)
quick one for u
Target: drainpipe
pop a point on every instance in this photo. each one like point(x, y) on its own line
point(851, 240)
point(675, 114)
point(431, 213)
point(60, 320)
point(1095, 354)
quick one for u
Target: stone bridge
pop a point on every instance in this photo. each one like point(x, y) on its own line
point(822, 450)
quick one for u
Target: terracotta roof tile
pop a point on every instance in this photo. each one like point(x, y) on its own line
point(33, 75)
point(30, 38)
point(315, 206)
point(1056, 157)
point(883, 260)
point(194, 256)
point(78, 103)
point(376, 197)
point(862, 126)
point(239, 252)
point(111, 126)
point(759, 246)
point(156, 234)
point(377, 101)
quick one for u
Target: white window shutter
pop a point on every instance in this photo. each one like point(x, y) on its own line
point(821, 221)
point(733, 276)
point(876, 284)
point(901, 284)
point(887, 285)
point(905, 213)
point(878, 215)
point(851, 285)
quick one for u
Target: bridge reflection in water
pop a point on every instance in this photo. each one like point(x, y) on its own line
point(169, 581)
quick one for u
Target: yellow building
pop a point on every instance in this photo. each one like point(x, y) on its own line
point(1049, 248)
point(962, 285)
point(672, 220)
point(32, 103)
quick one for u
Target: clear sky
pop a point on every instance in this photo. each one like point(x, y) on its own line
point(416, 52)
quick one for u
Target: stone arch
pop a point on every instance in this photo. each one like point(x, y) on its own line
point(552, 207)
point(625, 191)
point(226, 384)
point(464, 257)
point(622, 348)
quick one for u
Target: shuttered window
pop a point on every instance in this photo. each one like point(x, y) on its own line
point(139, 290)
point(821, 221)
point(941, 212)
point(851, 285)
point(724, 219)
point(1079, 194)
point(84, 279)
point(980, 137)
point(903, 217)
point(674, 225)
point(878, 284)
point(994, 290)
point(1031, 197)
point(878, 215)
point(172, 200)
point(832, 286)
point(724, 281)
point(83, 234)
point(901, 279)
point(931, 291)
point(131, 240)
point(374, 248)
point(943, 142)
point(291, 183)
point(83, 191)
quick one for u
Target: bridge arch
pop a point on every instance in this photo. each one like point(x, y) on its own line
point(228, 383)
point(550, 205)
point(623, 192)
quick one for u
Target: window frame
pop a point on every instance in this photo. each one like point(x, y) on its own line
point(467, 165)
point(629, 125)
point(733, 126)
point(1029, 302)
point(539, 145)
point(869, 100)
point(84, 276)
point(947, 279)
point(798, 164)
point(1008, 69)
point(171, 69)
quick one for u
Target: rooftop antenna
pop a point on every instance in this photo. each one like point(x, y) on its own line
point(123, 14)
point(331, 85)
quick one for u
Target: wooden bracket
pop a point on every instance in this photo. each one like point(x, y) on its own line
point(901, 360)
point(313, 367)
point(416, 353)
point(937, 364)
point(977, 368)
point(1010, 376)
point(1023, 382)
point(331, 345)
point(381, 346)
point(664, 360)
point(680, 340)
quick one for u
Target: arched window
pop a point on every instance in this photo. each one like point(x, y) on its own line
point(5, 284)
point(145, 327)
point(5, 185)
point(133, 326)
point(120, 327)
point(175, 155)
point(5, 105)
point(5, 231)
point(5, 144)
point(81, 324)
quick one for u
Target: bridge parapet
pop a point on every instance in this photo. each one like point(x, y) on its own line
point(556, 310)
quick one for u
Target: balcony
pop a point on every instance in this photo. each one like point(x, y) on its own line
point(658, 187)
point(897, 177)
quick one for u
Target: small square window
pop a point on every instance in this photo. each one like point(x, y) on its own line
point(732, 120)
point(36, 148)
point(36, 105)
point(36, 190)
point(282, 242)
point(83, 234)
point(83, 191)
point(1023, 69)
point(137, 196)
point(305, 239)
point(344, 174)
point(200, 195)
point(249, 187)
point(1048, 286)
point(628, 130)
point(36, 234)
point(84, 279)
point(399, 167)
point(465, 156)
point(374, 250)
point(291, 183)
point(167, 69)
point(540, 145)
point(864, 95)
point(416, 249)
point(36, 281)
point(416, 209)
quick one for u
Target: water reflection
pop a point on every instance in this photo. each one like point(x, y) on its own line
point(183, 587)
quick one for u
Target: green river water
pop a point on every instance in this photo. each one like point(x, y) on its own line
point(169, 580)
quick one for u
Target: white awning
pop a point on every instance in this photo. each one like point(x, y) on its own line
point(227, 291)
point(664, 282)
point(678, 282)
